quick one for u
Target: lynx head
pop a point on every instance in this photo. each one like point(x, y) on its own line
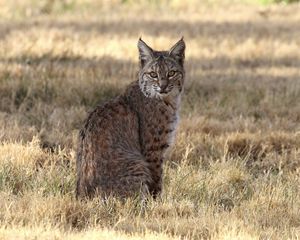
point(161, 72)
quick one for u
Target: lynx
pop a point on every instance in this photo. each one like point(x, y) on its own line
point(123, 143)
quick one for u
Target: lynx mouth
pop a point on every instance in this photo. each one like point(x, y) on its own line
point(163, 92)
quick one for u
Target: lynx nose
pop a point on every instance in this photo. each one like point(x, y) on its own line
point(163, 87)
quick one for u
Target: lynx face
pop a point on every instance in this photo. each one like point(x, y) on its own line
point(161, 72)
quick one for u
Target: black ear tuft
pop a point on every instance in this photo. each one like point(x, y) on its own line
point(177, 51)
point(146, 52)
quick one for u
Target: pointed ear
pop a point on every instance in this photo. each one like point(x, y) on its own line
point(146, 52)
point(177, 51)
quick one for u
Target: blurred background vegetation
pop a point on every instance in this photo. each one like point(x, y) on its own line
point(38, 7)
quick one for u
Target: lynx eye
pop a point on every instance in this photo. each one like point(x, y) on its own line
point(171, 73)
point(153, 74)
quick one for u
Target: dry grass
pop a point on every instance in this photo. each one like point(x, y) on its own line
point(235, 170)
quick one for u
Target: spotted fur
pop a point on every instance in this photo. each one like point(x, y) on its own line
point(123, 142)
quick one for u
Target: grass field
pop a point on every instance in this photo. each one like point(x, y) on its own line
point(234, 172)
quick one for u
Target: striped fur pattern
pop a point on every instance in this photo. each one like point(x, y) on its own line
point(123, 143)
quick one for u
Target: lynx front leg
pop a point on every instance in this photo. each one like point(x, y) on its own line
point(156, 187)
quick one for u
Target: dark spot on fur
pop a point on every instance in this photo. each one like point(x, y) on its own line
point(162, 110)
point(164, 146)
point(169, 131)
point(152, 131)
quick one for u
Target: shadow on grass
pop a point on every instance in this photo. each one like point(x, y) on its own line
point(61, 82)
point(74, 80)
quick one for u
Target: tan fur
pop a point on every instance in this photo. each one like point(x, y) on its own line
point(123, 142)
